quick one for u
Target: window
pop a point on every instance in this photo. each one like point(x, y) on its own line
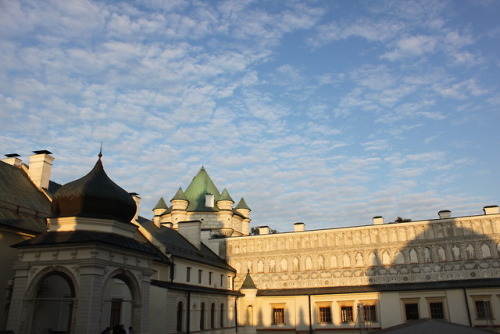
point(369, 313)
point(278, 316)
point(212, 316)
point(210, 278)
point(436, 310)
point(221, 280)
point(200, 275)
point(188, 274)
point(411, 311)
point(325, 314)
point(346, 314)
point(222, 314)
point(179, 317)
point(483, 309)
point(202, 316)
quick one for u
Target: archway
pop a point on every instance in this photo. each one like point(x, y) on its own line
point(53, 302)
point(121, 301)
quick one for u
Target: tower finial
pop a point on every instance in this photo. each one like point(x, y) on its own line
point(100, 152)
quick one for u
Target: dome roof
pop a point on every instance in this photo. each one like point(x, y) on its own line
point(94, 195)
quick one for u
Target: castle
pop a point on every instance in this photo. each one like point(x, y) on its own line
point(78, 258)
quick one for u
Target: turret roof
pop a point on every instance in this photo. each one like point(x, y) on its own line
point(225, 196)
point(179, 196)
point(248, 283)
point(242, 205)
point(161, 204)
point(195, 193)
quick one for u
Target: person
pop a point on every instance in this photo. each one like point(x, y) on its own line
point(106, 331)
point(128, 330)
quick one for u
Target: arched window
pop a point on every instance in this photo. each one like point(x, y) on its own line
point(212, 316)
point(250, 315)
point(222, 315)
point(179, 317)
point(202, 316)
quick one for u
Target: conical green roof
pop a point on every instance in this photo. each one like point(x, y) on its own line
point(248, 283)
point(195, 193)
point(242, 205)
point(225, 196)
point(179, 196)
point(161, 204)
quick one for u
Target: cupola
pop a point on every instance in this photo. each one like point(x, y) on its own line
point(94, 196)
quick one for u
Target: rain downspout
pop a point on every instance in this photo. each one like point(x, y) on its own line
point(468, 308)
point(310, 315)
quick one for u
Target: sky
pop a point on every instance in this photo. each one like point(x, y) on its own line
point(322, 112)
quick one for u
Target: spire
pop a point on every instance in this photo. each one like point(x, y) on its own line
point(179, 196)
point(248, 282)
point(196, 192)
point(225, 196)
point(242, 205)
point(161, 204)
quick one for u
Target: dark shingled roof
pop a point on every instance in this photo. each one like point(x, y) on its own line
point(180, 247)
point(94, 195)
point(191, 288)
point(84, 237)
point(22, 205)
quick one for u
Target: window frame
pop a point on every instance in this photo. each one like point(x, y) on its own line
point(278, 309)
point(437, 300)
point(324, 316)
point(485, 299)
point(411, 301)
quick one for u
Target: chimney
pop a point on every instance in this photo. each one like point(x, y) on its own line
point(299, 227)
point(209, 200)
point(443, 214)
point(491, 210)
point(39, 168)
point(13, 159)
point(137, 200)
point(378, 220)
point(263, 230)
point(191, 230)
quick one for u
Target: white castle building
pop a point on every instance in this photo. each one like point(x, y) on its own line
point(77, 258)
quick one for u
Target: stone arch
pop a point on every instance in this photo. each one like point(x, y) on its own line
point(121, 299)
point(51, 300)
point(413, 256)
point(309, 265)
point(485, 251)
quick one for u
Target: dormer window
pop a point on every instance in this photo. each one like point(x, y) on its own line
point(209, 200)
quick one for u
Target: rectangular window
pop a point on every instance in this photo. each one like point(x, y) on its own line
point(411, 311)
point(188, 274)
point(483, 310)
point(278, 316)
point(436, 310)
point(325, 314)
point(346, 314)
point(210, 278)
point(200, 273)
point(221, 280)
point(369, 313)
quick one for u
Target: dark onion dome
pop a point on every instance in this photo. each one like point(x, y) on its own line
point(95, 195)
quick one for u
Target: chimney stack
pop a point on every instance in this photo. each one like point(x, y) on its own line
point(378, 220)
point(491, 210)
point(40, 167)
point(263, 230)
point(443, 214)
point(13, 159)
point(191, 230)
point(299, 227)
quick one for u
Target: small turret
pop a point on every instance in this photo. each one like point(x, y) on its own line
point(225, 201)
point(179, 201)
point(243, 208)
point(159, 209)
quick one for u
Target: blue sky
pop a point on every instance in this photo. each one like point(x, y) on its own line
point(323, 112)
